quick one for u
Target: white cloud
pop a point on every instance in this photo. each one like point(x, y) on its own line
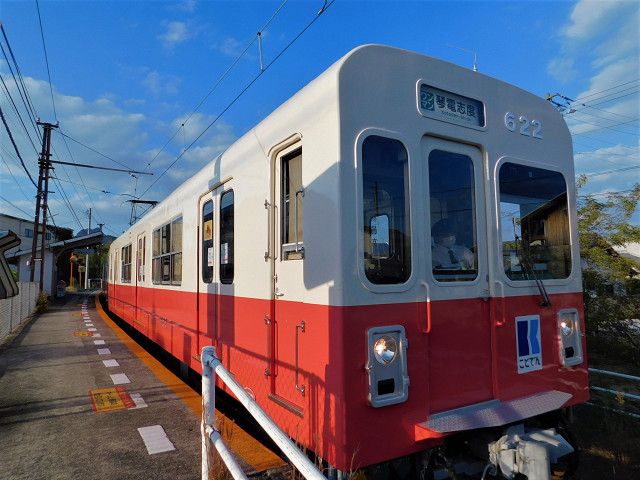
point(590, 18)
point(598, 34)
point(231, 46)
point(177, 33)
point(159, 84)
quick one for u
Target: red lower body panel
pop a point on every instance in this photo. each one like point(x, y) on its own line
point(466, 358)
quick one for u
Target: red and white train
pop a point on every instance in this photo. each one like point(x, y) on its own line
point(389, 261)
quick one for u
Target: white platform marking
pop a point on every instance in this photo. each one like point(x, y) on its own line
point(104, 351)
point(110, 363)
point(92, 329)
point(155, 439)
point(120, 378)
point(137, 398)
point(98, 342)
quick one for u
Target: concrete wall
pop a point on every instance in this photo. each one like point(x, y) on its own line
point(16, 309)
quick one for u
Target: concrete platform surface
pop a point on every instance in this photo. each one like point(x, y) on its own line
point(77, 403)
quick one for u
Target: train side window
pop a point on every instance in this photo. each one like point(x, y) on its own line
point(207, 242)
point(386, 216)
point(156, 262)
point(126, 264)
point(141, 258)
point(292, 207)
point(534, 223)
point(226, 237)
point(166, 264)
point(454, 255)
point(176, 251)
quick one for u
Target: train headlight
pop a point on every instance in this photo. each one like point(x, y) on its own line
point(569, 337)
point(386, 366)
point(385, 349)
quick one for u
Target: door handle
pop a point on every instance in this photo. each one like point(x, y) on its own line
point(267, 321)
point(300, 388)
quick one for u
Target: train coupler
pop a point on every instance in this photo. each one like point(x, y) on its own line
point(528, 452)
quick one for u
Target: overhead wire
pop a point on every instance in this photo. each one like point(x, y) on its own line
point(14, 179)
point(46, 58)
point(20, 85)
point(242, 92)
point(215, 86)
point(16, 148)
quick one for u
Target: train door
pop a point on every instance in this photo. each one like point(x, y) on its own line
point(460, 331)
point(207, 284)
point(288, 325)
point(140, 317)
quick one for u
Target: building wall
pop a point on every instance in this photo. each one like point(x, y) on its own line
point(24, 229)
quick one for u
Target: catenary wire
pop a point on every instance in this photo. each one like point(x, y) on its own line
point(326, 6)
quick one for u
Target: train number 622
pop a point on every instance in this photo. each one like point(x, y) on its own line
point(526, 125)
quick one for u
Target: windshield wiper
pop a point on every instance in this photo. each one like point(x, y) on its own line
point(546, 302)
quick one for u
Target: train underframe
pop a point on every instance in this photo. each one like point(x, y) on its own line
point(539, 448)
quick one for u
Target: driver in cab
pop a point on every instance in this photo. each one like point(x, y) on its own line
point(445, 254)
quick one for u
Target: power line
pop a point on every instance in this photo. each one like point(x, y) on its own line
point(224, 75)
point(16, 148)
point(21, 87)
point(263, 70)
point(46, 58)
point(14, 206)
point(14, 178)
point(93, 150)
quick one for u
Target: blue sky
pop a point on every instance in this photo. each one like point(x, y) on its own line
point(125, 76)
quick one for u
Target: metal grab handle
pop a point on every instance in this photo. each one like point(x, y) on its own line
point(299, 388)
point(267, 371)
point(301, 193)
point(427, 310)
point(268, 252)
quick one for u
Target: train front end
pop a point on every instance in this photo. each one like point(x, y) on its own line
point(462, 316)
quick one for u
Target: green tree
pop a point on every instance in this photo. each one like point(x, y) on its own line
point(611, 282)
point(98, 260)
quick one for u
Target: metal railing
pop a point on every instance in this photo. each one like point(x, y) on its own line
point(615, 392)
point(211, 366)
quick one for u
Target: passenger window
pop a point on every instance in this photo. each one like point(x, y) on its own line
point(141, 258)
point(166, 263)
point(207, 242)
point(176, 251)
point(454, 255)
point(226, 237)
point(126, 264)
point(534, 223)
point(292, 210)
point(386, 219)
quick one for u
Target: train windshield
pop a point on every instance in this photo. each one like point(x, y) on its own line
point(387, 234)
point(453, 213)
point(534, 223)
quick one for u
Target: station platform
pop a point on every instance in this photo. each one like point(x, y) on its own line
point(80, 399)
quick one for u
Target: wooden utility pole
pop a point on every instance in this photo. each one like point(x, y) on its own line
point(40, 227)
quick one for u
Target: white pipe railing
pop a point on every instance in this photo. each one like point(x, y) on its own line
point(211, 366)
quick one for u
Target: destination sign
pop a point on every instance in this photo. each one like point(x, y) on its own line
point(450, 107)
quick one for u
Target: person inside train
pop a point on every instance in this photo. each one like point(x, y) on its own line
point(445, 254)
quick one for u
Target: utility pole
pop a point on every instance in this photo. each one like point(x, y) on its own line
point(86, 271)
point(40, 228)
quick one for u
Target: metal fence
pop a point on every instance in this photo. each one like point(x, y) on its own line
point(16, 309)
point(617, 393)
point(210, 435)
